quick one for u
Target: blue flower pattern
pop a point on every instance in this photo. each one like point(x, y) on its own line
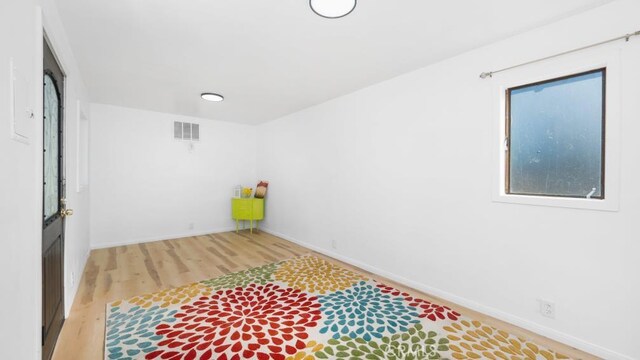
point(132, 333)
point(363, 311)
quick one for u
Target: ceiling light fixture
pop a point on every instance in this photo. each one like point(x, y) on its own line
point(333, 9)
point(212, 97)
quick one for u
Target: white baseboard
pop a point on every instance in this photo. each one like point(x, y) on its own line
point(160, 238)
point(487, 310)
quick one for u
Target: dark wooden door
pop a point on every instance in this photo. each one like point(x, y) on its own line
point(53, 211)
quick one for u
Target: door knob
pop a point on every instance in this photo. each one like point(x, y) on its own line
point(63, 208)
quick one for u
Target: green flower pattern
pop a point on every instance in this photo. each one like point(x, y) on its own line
point(412, 345)
point(258, 275)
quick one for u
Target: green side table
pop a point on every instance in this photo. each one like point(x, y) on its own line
point(251, 209)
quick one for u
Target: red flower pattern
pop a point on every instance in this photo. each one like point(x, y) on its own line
point(429, 310)
point(258, 322)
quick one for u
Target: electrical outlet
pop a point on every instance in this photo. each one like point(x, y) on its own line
point(73, 278)
point(547, 309)
point(334, 243)
point(191, 226)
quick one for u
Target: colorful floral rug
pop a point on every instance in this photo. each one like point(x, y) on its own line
point(301, 309)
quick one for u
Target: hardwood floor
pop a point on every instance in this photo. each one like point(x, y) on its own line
point(125, 271)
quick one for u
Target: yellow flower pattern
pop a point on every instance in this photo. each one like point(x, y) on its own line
point(169, 297)
point(307, 354)
point(314, 275)
point(474, 340)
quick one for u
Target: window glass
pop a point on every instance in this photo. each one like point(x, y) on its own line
point(51, 160)
point(555, 136)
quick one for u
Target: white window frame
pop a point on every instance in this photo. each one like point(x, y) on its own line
point(605, 57)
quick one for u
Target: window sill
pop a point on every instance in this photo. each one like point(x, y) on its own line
point(573, 203)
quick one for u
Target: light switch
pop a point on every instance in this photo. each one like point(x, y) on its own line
point(22, 115)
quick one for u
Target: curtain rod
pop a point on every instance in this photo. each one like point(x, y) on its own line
point(626, 37)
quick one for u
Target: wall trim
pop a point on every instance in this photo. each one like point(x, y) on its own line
point(473, 305)
point(161, 238)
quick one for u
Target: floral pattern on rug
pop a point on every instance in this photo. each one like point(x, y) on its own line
point(263, 321)
point(429, 310)
point(308, 353)
point(305, 308)
point(316, 275)
point(364, 311)
point(166, 298)
point(474, 340)
point(258, 275)
point(132, 332)
point(415, 343)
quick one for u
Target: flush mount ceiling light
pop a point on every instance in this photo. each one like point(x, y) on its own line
point(212, 97)
point(333, 9)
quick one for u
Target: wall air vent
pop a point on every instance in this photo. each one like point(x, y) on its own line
point(195, 132)
point(186, 131)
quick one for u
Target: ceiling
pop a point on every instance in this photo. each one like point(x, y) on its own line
point(270, 58)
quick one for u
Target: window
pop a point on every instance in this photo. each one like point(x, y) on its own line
point(555, 137)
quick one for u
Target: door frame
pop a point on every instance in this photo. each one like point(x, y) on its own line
point(62, 89)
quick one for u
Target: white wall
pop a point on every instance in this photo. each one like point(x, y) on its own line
point(147, 186)
point(399, 177)
point(21, 190)
point(21, 24)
